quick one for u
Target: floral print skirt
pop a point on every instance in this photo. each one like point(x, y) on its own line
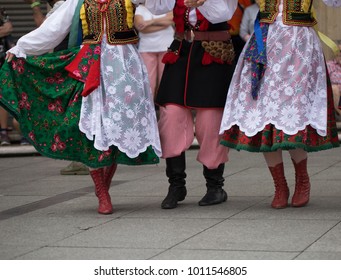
point(47, 102)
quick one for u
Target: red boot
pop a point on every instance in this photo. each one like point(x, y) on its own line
point(302, 186)
point(280, 199)
point(109, 172)
point(101, 191)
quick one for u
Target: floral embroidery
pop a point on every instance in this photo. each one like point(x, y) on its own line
point(48, 112)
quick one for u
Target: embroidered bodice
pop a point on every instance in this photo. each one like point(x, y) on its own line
point(295, 12)
point(114, 17)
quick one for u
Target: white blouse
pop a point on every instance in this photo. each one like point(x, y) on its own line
point(49, 35)
point(214, 11)
point(333, 3)
point(120, 111)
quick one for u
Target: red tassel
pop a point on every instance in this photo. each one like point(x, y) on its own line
point(206, 59)
point(218, 60)
point(170, 58)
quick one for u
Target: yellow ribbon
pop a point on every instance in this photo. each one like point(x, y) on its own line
point(329, 42)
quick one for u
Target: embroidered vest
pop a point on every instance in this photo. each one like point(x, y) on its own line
point(295, 12)
point(114, 16)
point(180, 18)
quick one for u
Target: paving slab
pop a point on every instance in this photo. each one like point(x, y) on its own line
point(79, 253)
point(177, 254)
point(44, 215)
point(260, 235)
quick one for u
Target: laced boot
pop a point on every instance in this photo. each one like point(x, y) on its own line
point(281, 197)
point(214, 183)
point(302, 184)
point(175, 171)
point(105, 206)
point(109, 173)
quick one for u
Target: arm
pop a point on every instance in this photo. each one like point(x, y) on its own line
point(218, 10)
point(158, 7)
point(165, 21)
point(6, 29)
point(48, 35)
point(38, 15)
point(214, 10)
point(243, 31)
point(153, 25)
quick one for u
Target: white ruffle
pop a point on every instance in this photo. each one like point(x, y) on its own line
point(17, 51)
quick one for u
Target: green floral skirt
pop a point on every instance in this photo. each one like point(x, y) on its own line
point(38, 92)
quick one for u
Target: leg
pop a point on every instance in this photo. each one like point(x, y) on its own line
point(176, 130)
point(336, 98)
point(109, 173)
point(160, 67)
point(16, 126)
point(214, 183)
point(174, 118)
point(149, 60)
point(3, 127)
point(274, 161)
point(101, 191)
point(301, 195)
point(211, 154)
point(175, 172)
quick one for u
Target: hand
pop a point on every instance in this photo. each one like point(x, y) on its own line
point(144, 24)
point(194, 3)
point(247, 36)
point(9, 56)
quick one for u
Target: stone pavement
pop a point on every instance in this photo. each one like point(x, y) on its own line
point(44, 215)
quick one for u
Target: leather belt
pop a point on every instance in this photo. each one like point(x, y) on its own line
point(190, 35)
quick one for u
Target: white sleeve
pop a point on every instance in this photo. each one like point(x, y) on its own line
point(333, 3)
point(243, 30)
point(49, 35)
point(216, 11)
point(158, 7)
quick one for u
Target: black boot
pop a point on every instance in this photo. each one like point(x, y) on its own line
point(214, 183)
point(175, 172)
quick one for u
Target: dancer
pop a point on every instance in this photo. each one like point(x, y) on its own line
point(334, 68)
point(156, 34)
point(280, 97)
point(91, 104)
point(198, 69)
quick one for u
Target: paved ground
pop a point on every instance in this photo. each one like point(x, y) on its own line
point(44, 215)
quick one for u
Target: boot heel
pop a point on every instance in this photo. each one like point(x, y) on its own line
point(173, 197)
point(225, 196)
